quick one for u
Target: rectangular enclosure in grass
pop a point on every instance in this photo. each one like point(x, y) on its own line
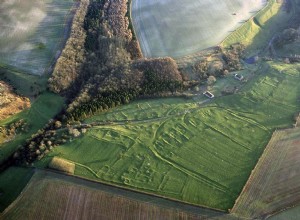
point(62, 165)
point(32, 32)
point(177, 28)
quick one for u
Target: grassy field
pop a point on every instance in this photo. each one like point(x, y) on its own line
point(45, 107)
point(32, 32)
point(175, 148)
point(274, 184)
point(54, 196)
point(24, 84)
point(12, 182)
point(257, 31)
point(175, 28)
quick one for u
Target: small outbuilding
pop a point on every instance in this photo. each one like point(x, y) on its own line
point(238, 77)
point(208, 94)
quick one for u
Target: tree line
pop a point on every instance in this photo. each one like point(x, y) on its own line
point(109, 69)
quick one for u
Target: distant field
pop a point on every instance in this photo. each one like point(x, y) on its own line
point(161, 146)
point(274, 184)
point(32, 32)
point(177, 28)
point(54, 196)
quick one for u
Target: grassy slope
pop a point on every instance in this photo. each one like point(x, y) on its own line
point(176, 149)
point(45, 107)
point(256, 32)
point(130, 114)
point(25, 84)
point(12, 182)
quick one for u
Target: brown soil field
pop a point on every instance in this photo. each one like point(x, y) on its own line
point(10, 103)
point(274, 183)
point(52, 195)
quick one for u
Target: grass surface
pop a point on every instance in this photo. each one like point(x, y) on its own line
point(45, 107)
point(12, 182)
point(32, 32)
point(173, 147)
point(274, 184)
point(176, 28)
point(24, 84)
point(258, 31)
point(54, 196)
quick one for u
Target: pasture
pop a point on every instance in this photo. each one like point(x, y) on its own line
point(32, 32)
point(12, 182)
point(175, 28)
point(55, 196)
point(274, 183)
point(174, 147)
point(45, 107)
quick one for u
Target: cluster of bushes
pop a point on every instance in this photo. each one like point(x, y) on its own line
point(14, 128)
point(116, 11)
point(227, 60)
point(232, 57)
point(289, 35)
point(159, 75)
point(39, 144)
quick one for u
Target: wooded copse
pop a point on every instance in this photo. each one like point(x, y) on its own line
point(104, 66)
point(69, 64)
point(227, 60)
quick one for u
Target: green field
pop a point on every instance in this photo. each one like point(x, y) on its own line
point(32, 32)
point(259, 30)
point(12, 182)
point(175, 148)
point(45, 107)
point(176, 28)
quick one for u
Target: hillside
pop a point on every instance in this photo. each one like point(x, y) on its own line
point(192, 134)
point(10, 103)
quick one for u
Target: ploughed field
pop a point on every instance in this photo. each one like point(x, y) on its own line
point(32, 32)
point(274, 183)
point(177, 28)
point(55, 196)
point(175, 148)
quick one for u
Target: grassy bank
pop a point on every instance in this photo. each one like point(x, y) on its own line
point(258, 30)
point(45, 107)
